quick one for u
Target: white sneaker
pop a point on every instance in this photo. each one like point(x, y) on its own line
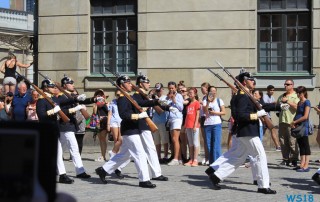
point(203, 162)
point(173, 162)
point(99, 159)
point(111, 154)
point(207, 163)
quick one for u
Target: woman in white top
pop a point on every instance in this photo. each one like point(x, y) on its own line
point(214, 108)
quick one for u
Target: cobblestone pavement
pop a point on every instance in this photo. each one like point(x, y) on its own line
point(191, 183)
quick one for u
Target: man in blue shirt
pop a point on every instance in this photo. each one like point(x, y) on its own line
point(20, 102)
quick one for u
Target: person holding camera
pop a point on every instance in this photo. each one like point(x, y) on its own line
point(161, 135)
point(175, 101)
point(214, 109)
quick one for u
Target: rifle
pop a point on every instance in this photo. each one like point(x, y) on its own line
point(83, 111)
point(233, 88)
point(265, 118)
point(61, 114)
point(150, 123)
point(136, 88)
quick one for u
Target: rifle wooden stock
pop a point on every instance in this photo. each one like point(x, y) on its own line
point(233, 88)
point(61, 114)
point(265, 118)
point(156, 108)
point(153, 127)
point(83, 111)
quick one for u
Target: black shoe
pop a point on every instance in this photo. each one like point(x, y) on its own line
point(294, 163)
point(266, 191)
point(215, 181)
point(296, 168)
point(65, 179)
point(147, 184)
point(102, 174)
point(119, 174)
point(285, 163)
point(83, 175)
point(255, 182)
point(160, 178)
point(316, 178)
point(209, 171)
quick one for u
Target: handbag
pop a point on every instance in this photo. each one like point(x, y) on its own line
point(298, 131)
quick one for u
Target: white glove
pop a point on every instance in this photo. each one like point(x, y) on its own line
point(100, 99)
point(81, 97)
point(143, 115)
point(284, 106)
point(55, 110)
point(77, 108)
point(261, 113)
point(163, 102)
point(173, 110)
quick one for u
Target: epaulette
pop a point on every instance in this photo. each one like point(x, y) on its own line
point(67, 91)
point(60, 94)
point(241, 92)
point(137, 92)
point(47, 94)
point(121, 95)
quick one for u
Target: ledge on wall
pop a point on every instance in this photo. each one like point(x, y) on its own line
point(278, 79)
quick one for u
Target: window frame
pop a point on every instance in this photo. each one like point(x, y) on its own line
point(284, 13)
point(114, 16)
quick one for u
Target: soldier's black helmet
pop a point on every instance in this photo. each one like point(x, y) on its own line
point(245, 76)
point(122, 79)
point(142, 79)
point(47, 83)
point(66, 80)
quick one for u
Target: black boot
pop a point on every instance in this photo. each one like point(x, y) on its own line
point(266, 191)
point(160, 178)
point(316, 178)
point(146, 184)
point(119, 174)
point(83, 175)
point(215, 181)
point(102, 174)
point(64, 179)
point(209, 171)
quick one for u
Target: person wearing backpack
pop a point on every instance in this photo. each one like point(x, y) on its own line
point(302, 117)
point(213, 108)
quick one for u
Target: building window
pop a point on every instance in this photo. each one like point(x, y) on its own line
point(114, 36)
point(284, 36)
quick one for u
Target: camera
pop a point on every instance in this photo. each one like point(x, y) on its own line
point(210, 109)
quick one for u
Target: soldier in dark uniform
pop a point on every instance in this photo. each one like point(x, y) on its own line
point(246, 116)
point(46, 112)
point(146, 136)
point(131, 145)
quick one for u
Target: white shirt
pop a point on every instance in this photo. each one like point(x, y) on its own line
point(213, 119)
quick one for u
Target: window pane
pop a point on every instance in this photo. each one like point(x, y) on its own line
point(132, 24)
point(264, 49)
point(108, 38)
point(265, 21)
point(132, 65)
point(291, 34)
point(264, 4)
point(303, 4)
point(276, 64)
point(107, 6)
point(303, 35)
point(292, 3)
point(107, 54)
point(132, 37)
point(305, 49)
point(290, 64)
point(264, 65)
point(97, 38)
point(276, 49)
point(122, 38)
point(303, 20)
point(276, 21)
point(121, 67)
point(121, 24)
point(108, 24)
point(292, 20)
point(121, 6)
point(96, 7)
point(276, 4)
point(97, 25)
point(132, 51)
point(265, 36)
point(291, 52)
point(276, 35)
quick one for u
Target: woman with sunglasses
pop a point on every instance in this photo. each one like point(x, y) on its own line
point(175, 101)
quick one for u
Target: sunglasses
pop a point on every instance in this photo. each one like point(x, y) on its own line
point(183, 91)
point(118, 95)
point(288, 84)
